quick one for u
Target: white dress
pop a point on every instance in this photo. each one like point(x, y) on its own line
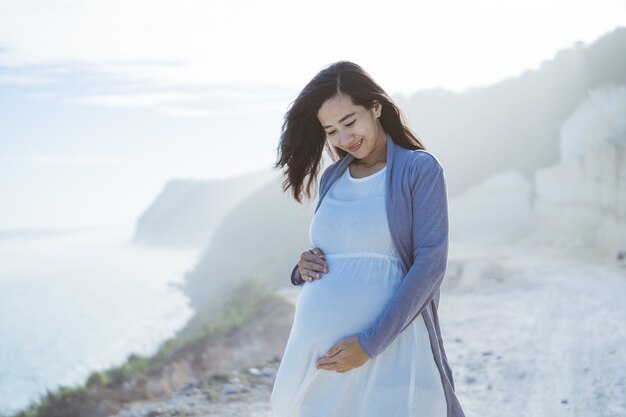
point(364, 270)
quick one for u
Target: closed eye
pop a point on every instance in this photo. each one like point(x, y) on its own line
point(334, 131)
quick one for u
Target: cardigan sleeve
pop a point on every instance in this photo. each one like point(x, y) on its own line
point(430, 252)
point(296, 278)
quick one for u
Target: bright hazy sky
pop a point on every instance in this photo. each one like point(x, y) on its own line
point(405, 45)
point(119, 96)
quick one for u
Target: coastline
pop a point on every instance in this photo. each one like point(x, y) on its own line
point(207, 352)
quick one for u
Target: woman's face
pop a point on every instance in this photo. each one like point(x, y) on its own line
point(350, 127)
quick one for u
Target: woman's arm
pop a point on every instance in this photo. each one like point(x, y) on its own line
point(430, 253)
point(296, 278)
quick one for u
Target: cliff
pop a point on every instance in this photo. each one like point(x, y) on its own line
point(186, 212)
point(582, 199)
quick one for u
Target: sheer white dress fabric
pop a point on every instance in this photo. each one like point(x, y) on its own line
point(351, 228)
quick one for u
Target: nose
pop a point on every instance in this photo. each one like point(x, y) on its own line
point(345, 138)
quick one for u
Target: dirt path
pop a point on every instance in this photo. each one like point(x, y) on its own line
point(537, 333)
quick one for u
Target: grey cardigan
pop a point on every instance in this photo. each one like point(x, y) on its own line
point(417, 214)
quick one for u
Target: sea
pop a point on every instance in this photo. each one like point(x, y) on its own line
point(81, 300)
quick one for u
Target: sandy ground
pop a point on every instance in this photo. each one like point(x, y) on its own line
point(536, 331)
point(530, 330)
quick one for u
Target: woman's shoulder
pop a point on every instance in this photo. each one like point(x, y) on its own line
point(416, 157)
point(425, 169)
point(423, 160)
point(328, 170)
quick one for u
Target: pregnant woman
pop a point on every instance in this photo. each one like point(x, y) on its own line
point(365, 341)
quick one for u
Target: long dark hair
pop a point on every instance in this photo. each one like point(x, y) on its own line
point(303, 139)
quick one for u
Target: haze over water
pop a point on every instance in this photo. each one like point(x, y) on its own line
point(72, 303)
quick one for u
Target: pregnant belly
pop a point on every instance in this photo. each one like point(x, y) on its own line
point(349, 298)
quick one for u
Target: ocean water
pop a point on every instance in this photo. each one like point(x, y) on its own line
point(75, 302)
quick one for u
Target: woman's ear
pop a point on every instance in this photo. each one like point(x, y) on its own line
point(377, 108)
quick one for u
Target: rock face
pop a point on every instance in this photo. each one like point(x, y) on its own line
point(583, 197)
point(578, 202)
point(187, 212)
point(497, 209)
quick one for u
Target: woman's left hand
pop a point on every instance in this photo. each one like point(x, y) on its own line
point(345, 355)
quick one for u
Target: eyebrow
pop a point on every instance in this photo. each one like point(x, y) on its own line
point(342, 119)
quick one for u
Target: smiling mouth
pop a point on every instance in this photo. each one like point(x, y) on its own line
point(356, 146)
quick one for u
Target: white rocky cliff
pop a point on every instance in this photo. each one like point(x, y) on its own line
point(578, 202)
point(583, 198)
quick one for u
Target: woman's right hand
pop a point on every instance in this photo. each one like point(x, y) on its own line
point(312, 264)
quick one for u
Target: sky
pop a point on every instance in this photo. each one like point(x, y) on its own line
point(102, 102)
